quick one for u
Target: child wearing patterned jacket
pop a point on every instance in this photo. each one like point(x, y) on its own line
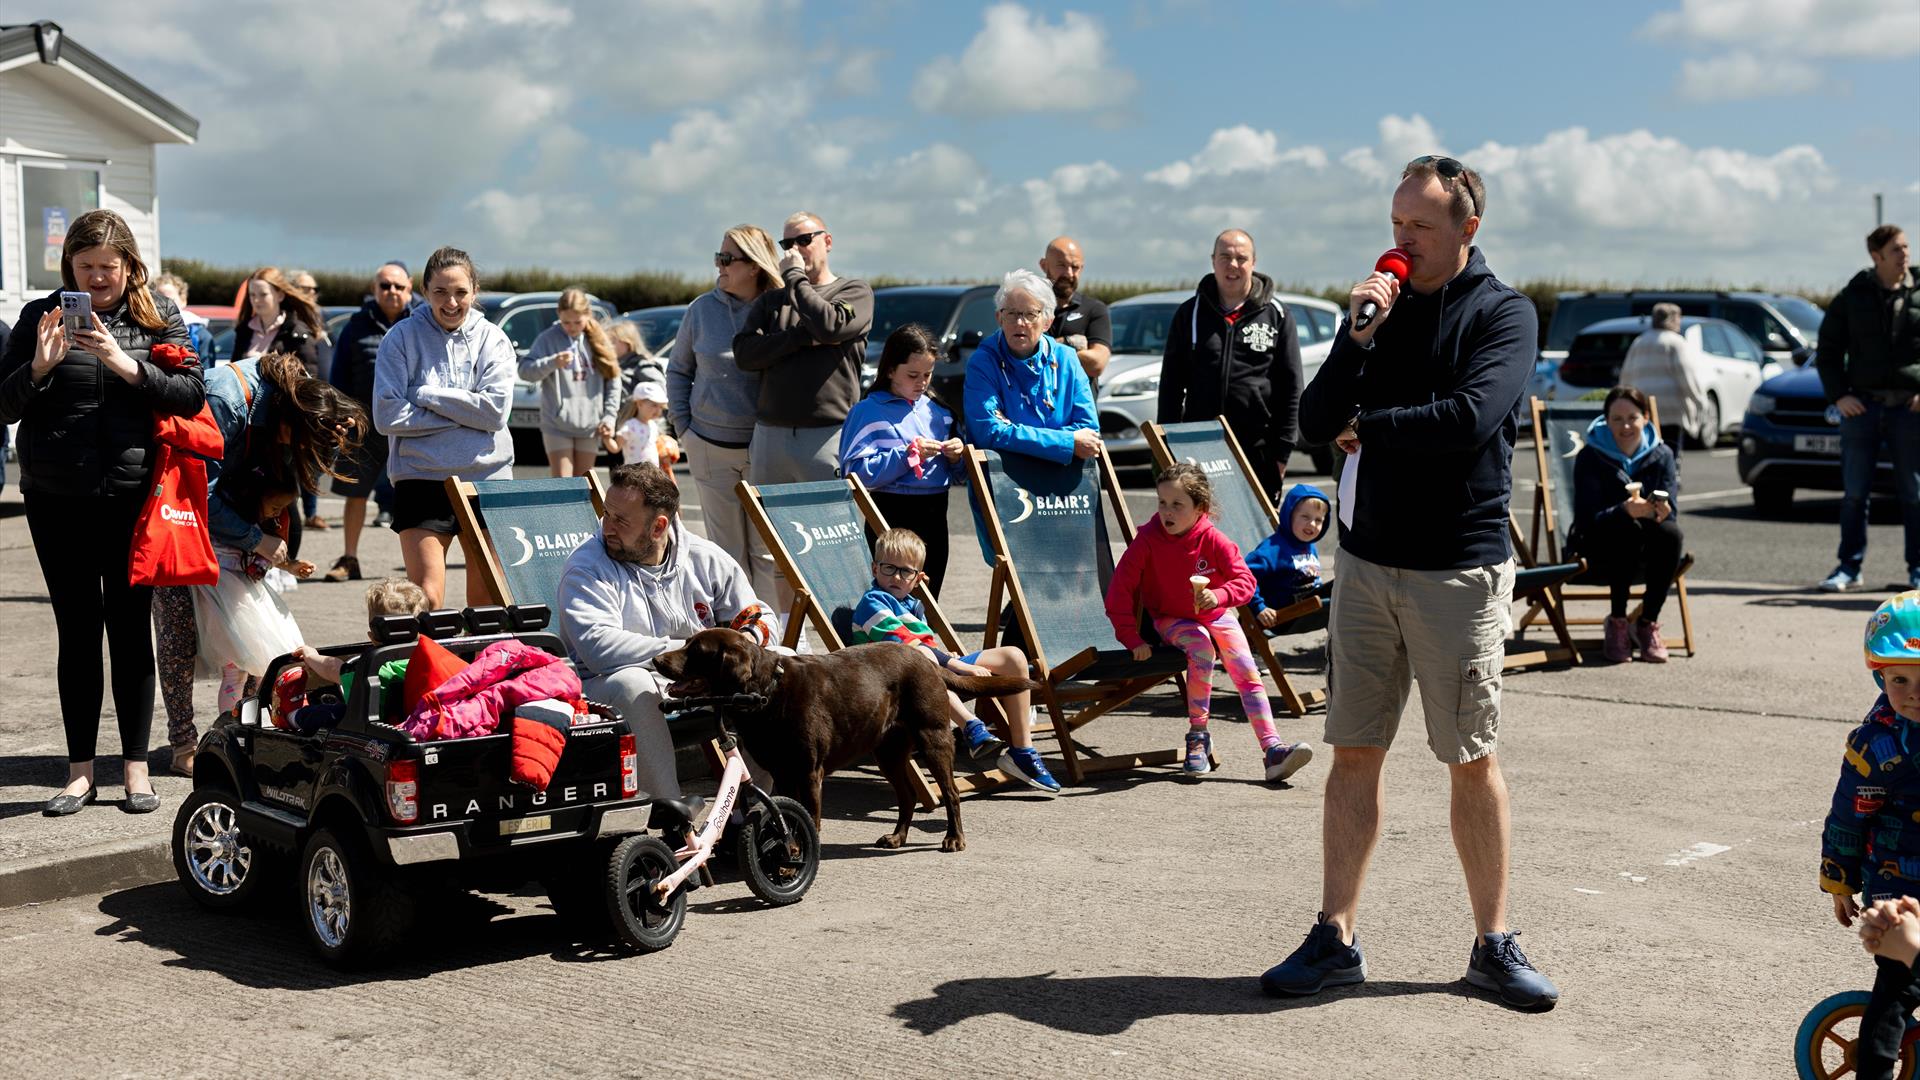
point(1188, 577)
point(889, 612)
point(1869, 845)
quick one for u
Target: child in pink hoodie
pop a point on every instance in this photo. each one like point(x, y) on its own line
point(1173, 549)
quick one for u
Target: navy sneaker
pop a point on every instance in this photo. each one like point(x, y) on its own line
point(1285, 759)
point(1199, 752)
point(982, 744)
point(1497, 965)
point(1320, 961)
point(1023, 764)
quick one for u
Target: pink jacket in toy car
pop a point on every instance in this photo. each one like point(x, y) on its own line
point(506, 675)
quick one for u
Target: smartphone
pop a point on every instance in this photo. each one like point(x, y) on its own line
point(76, 312)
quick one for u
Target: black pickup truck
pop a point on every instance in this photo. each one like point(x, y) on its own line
point(368, 823)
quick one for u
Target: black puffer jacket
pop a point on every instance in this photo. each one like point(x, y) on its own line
point(83, 429)
point(293, 337)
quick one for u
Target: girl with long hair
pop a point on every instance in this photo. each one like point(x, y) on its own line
point(574, 365)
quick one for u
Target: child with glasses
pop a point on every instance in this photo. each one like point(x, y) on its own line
point(890, 612)
point(899, 441)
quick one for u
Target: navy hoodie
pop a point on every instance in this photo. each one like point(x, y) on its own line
point(1284, 566)
point(1437, 408)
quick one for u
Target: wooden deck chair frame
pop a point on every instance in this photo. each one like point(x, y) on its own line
point(1547, 527)
point(1296, 703)
point(1055, 674)
point(808, 607)
point(1543, 598)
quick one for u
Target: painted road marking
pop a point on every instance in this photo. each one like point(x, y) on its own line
point(1701, 850)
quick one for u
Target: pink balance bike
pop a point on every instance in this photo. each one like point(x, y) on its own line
point(773, 837)
point(1824, 1048)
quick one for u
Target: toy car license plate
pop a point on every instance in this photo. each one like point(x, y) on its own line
point(1817, 444)
point(516, 826)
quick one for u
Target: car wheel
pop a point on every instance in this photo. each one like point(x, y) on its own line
point(356, 910)
point(1773, 500)
point(1709, 423)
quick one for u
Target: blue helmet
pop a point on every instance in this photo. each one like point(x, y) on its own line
point(1893, 634)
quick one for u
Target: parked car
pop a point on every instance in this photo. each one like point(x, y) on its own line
point(1129, 393)
point(658, 325)
point(1732, 367)
point(336, 317)
point(1786, 327)
point(960, 317)
point(523, 316)
point(1790, 439)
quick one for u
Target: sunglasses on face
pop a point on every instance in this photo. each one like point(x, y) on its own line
point(724, 259)
point(802, 240)
point(388, 286)
point(887, 569)
point(1449, 169)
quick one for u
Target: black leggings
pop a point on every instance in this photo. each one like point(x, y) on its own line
point(1626, 550)
point(1884, 1023)
point(82, 543)
point(926, 515)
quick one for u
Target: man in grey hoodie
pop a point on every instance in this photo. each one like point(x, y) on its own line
point(639, 589)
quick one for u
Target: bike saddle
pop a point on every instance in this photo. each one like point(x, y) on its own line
point(668, 813)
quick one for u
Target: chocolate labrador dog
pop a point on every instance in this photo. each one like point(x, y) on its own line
point(825, 710)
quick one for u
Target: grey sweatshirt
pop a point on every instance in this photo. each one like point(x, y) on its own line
point(617, 614)
point(574, 400)
point(442, 398)
point(707, 393)
point(807, 343)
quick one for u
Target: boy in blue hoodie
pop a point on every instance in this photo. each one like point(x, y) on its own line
point(1286, 565)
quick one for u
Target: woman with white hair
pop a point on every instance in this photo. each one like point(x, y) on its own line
point(1025, 392)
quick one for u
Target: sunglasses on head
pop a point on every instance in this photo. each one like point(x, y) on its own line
point(802, 240)
point(724, 259)
point(1448, 169)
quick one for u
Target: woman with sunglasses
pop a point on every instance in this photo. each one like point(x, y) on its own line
point(711, 402)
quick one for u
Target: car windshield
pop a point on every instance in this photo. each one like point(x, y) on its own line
point(657, 328)
point(1804, 316)
point(1575, 313)
point(1141, 328)
point(892, 310)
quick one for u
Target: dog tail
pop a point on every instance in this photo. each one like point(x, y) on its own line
point(972, 686)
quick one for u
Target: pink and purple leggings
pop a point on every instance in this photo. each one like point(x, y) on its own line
point(1218, 632)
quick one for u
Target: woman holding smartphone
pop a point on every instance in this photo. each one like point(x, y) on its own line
point(1623, 519)
point(86, 402)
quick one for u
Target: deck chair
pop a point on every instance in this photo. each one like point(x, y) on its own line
point(817, 534)
point(1243, 513)
point(522, 531)
point(1559, 431)
point(1052, 559)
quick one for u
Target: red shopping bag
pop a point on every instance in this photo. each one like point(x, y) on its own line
point(171, 545)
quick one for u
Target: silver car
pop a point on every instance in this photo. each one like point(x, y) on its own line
point(1130, 389)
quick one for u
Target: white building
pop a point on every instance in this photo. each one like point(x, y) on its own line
point(76, 133)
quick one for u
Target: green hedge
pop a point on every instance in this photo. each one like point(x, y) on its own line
point(210, 284)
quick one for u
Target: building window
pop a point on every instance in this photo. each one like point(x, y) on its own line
point(51, 197)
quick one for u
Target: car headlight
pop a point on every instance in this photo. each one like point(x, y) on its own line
point(1761, 404)
point(1144, 386)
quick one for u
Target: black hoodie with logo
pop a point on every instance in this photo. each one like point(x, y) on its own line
point(1436, 405)
point(1247, 371)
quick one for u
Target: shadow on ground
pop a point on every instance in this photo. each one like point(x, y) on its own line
point(1110, 1004)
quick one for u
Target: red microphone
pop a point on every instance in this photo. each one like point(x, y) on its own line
point(1393, 262)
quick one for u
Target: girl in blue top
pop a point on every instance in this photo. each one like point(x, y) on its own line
point(899, 441)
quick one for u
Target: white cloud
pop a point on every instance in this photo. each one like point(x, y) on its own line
point(1740, 76)
point(1832, 28)
point(1237, 149)
point(1019, 63)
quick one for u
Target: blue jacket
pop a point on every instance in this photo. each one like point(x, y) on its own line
point(1283, 565)
point(1870, 844)
point(1601, 472)
point(1030, 406)
point(873, 443)
point(249, 431)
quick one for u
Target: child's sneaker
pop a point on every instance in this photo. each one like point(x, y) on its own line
point(1646, 638)
point(1285, 759)
point(982, 743)
point(1199, 751)
point(1616, 640)
point(1023, 764)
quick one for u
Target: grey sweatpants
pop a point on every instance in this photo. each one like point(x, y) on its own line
point(636, 692)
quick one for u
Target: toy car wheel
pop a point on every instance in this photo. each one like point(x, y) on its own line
point(220, 866)
point(644, 920)
point(779, 871)
point(1825, 1046)
point(356, 909)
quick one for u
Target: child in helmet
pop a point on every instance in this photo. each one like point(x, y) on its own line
point(1867, 847)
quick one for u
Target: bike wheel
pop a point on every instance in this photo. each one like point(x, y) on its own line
point(1825, 1045)
point(779, 871)
point(644, 921)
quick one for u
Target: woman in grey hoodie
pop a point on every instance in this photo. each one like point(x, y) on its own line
point(442, 385)
point(712, 403)
point(573, 364)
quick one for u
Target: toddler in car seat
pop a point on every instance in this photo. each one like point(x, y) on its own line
point(391, 596)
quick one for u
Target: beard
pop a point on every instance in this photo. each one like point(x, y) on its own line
point(650, 551)
point(1062, 290)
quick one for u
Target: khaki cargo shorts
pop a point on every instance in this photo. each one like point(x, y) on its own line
point(1445, 628)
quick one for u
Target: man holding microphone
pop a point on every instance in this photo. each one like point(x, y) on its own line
point(1422, 391)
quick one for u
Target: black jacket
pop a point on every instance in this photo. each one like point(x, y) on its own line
point(83, 429)
point(354, 353)
point(1248, 372)
point(1600, 486)
point(293, 337)
point(1438, 406)
point(1859, 351)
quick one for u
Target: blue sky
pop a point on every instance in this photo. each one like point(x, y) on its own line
point(1731, 140)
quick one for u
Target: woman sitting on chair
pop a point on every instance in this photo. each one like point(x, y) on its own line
point(1624, 519)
